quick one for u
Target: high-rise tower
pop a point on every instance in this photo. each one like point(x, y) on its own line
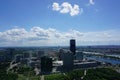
point(72, 46)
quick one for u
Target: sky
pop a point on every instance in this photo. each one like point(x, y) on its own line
point(55, 22)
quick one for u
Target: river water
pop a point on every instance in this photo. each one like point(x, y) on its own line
point(107, 60)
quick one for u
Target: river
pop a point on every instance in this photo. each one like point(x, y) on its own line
point(107, 60)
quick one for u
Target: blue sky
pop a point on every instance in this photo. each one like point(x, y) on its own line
point(84, 18)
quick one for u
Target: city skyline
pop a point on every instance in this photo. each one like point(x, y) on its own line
point(55, 22)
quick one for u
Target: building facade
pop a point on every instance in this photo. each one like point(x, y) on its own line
point(72, 46)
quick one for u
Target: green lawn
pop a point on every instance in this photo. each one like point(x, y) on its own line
point(21, 77)
point(92, 74)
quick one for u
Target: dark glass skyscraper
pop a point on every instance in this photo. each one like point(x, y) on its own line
point(72, 46)
point(46, 64)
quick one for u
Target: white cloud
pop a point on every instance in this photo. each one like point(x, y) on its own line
point(91, 2)
point(39, 32)
point(38, 36)
point(66, 7)
point(75, 10)
point(56, 6)
point(13, 34)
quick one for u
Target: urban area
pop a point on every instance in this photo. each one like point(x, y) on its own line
point(60, 63)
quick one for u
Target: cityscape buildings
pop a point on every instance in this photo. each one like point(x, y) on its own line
point(67, 58)
point(53, 61)
point(73, 46)
point(46, 64)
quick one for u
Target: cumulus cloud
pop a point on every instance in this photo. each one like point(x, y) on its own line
point(13, 34)
point(39, 32)
point(66, 7)
point(56, 6)
point(91, 2)
point(38, 36)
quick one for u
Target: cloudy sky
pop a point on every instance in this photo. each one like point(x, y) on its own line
point(55, 22)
